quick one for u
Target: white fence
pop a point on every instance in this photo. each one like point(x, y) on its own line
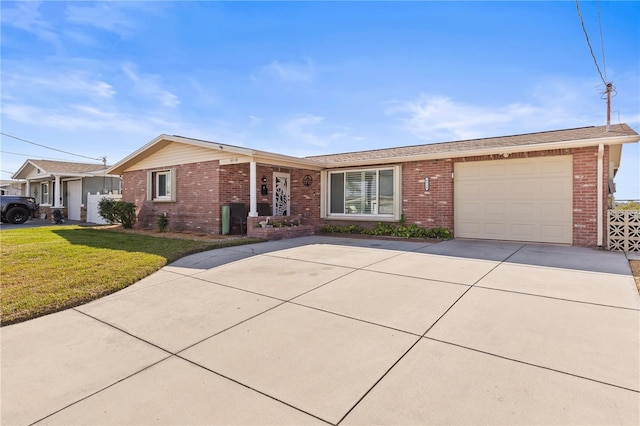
point(624, 230)
point(92, 207)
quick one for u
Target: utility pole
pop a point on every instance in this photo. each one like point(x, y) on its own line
point(609, 87)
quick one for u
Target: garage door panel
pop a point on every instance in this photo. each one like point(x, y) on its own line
point(555, 212)
point(515, 199)
point(471, 228)
point(553, 232)
point(496, 209)
point(496, 229)
point(524, 211)
point(492, 188)
point(523, 231)
point(524, 189)
point(554, 166)
point(523, 169)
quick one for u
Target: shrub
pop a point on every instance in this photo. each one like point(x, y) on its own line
point(629, 205)
point(117, 211)
point(163, 222)
point(391, 230)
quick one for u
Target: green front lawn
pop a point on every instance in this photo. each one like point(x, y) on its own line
point(52, 268)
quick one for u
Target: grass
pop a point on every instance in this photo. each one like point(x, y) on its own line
point(49, 269)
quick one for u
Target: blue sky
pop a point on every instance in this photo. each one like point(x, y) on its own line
point(304, 78)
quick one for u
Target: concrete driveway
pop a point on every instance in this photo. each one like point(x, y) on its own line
point(324, 330)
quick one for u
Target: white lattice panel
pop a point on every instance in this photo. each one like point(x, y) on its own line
point(624, 230)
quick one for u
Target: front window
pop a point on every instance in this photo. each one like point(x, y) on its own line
point(44, 193)
point(162, 185)
point(367, 193)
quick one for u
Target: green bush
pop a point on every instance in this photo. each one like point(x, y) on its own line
point(117, 211)
point(391, 230)
point(629, 205)
point(163, 222)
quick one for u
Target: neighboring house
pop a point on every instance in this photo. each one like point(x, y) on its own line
point(64, 185)
point(542, 187)
point(11, 187)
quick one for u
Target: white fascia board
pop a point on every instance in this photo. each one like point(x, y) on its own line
point(489, 151)
point(286, 161)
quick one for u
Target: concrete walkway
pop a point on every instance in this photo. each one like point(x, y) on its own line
point(324, 330)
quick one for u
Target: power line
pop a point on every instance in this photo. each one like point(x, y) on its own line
point(48, 147)
point(584, 29)
point(604, 64)
point(32, 156)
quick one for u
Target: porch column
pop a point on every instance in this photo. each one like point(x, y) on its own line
point(253, 199)
point(57, 193)
point(28, 190)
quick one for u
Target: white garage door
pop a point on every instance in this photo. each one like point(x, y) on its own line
point(528, 199)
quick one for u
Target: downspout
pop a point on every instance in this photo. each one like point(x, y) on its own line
point(600, 218)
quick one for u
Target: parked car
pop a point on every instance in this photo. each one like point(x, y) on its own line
point(17, 209)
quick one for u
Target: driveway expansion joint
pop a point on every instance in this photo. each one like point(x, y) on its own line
point(532, 364)
point(583, 302)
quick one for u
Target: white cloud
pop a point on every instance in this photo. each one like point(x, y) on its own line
point(26, 16)
point(63, 81)
point(108, 16)
point(290, 72)
point(551, 105)
point(255, 120)
point(149, 85)
point(311, 129)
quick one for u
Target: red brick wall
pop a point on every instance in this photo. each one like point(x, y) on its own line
point(202, 188)
point(305, 200)
point(197, 206)
point(585, 195)
point(434, 208)
point(199, 196)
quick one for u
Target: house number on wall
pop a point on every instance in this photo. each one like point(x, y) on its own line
point(307, 180)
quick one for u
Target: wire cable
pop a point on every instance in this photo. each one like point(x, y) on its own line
point(33, 156)
point(604, 63)
point(584, 29)
point(48, 147)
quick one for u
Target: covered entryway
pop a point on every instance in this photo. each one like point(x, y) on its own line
point(526, 199)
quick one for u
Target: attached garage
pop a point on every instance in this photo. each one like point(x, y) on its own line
point(525, 199)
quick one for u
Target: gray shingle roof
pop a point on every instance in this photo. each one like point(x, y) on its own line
point(457, 147)
point(66, 166)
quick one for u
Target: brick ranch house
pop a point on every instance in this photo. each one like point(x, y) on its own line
point(550, 186)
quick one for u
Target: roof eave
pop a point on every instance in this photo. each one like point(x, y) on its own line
point(163, 140)
point(286, 160)
point(616, 140)
point(21, 169)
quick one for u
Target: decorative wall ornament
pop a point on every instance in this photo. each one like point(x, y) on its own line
point(307, 180)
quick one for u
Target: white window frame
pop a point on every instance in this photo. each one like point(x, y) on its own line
point(325, 207)
point(46, 185)
point(153, 179)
